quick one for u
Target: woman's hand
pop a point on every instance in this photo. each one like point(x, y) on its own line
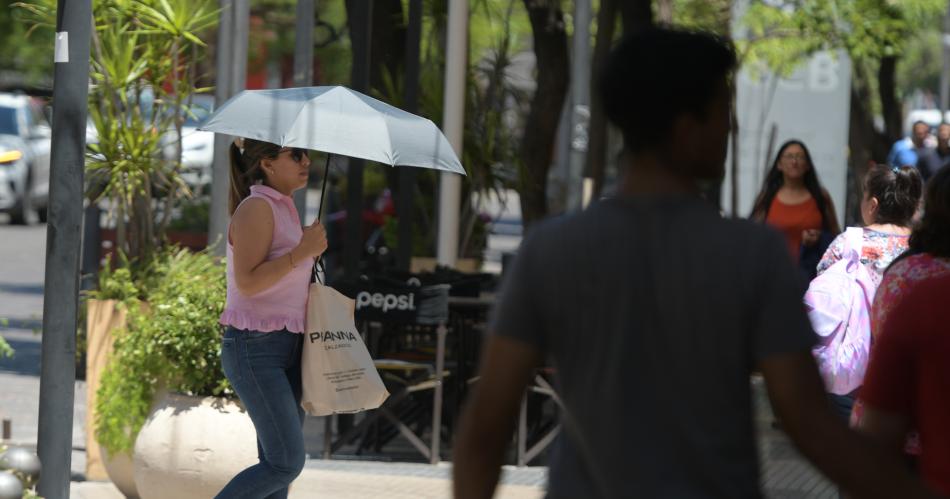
point(314, 241)
point(810, 237)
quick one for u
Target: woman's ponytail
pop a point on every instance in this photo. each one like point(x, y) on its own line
point(246, 168)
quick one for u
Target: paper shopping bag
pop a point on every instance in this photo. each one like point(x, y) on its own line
point(338, 372)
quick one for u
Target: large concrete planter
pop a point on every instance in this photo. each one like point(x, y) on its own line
point(191, 447)
point(121, 473)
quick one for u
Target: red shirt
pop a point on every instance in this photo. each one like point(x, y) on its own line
point(792, 220)
point(909, 372)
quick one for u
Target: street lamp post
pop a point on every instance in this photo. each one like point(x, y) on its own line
point(63, 241)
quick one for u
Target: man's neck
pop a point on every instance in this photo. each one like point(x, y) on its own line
point(647, 174)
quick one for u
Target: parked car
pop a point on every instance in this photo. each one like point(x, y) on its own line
point(25, 142)
point(197, 147)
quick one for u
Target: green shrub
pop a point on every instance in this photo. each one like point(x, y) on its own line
point(172, 341)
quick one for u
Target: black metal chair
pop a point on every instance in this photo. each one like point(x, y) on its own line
point(405, 328)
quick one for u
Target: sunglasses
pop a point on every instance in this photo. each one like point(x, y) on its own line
point(296, 153)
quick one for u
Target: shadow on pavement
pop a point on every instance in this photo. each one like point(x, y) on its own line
point(26, 359)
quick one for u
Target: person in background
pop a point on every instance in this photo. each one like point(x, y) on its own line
point(793, 201)
point(908, 379)
point(655, 310)
point(907, 151)
point(891, 197)
point(932, 160)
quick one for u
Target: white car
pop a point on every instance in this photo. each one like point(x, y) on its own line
point(197, 147)
point(25, 143)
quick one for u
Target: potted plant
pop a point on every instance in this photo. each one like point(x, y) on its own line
point(144, 70)
point(163, 398)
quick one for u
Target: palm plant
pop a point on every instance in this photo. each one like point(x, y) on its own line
point(143, 74)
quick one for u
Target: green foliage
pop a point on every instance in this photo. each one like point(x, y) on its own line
point(707, 15)
point(143, 60)
point(781, 37)
point(6, 351)
point(193, 216)
point(171, 342)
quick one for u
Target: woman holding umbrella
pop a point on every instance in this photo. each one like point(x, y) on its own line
point(269, 262)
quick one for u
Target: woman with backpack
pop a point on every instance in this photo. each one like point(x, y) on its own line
point(793, 201)
point(891, 197)
point(908, 376)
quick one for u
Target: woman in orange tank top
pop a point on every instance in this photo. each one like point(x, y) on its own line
point(793, 201)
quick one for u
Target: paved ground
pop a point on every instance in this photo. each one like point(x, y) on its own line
point(785, 474)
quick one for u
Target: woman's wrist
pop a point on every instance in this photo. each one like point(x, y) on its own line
point(293, 261)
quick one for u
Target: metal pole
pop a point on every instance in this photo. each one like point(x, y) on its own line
point(239, 41)
point(91, 246)
point(580, 104)
point(63, 240)
point(303, 73)
point(407, 176)
point(945, 73)
point(362, 12)
point(450, 185)
point(220, 175)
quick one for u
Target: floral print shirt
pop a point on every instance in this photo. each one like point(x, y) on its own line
point(877, 252)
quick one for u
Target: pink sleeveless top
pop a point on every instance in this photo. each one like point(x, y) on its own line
point(283, 305)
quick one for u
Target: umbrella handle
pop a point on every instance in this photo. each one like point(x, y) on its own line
point(323, 194)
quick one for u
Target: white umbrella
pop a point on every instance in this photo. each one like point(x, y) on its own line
point(336, 120)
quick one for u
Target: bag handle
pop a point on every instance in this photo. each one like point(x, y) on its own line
point(855, 238)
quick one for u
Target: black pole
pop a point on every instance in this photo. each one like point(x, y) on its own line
point(303, 74)
point(91, 246)
point(407, 176)
point(63, 242)
point(362, 12)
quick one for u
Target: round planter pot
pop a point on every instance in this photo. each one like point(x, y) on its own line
point(190, 447)
point(121, 473)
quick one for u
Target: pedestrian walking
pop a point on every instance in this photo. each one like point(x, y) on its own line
point(269, 263)
point(932, 160)
point(890, 200)
point(909, 150)
point(654, 311)
point(793, 200)
point(908, 380)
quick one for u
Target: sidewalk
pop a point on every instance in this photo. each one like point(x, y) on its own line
point(785, 474)
point(362, 480)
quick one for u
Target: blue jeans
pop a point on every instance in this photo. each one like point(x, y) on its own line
point(264, 369)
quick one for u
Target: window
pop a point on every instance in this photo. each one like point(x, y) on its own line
point(8, 121)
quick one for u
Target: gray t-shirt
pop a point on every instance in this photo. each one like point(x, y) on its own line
point(653, 313)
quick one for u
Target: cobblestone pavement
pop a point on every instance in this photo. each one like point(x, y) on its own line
point(785, 474)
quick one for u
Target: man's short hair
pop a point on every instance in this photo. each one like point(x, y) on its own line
point(656, 75)
point(920, 122)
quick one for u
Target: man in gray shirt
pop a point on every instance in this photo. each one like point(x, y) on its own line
point(654, 311)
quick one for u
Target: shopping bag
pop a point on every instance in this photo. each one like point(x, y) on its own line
point(338, 372)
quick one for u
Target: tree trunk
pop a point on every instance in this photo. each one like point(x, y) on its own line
point(890, 105)
point(664, 12)
point(537, 150)
point(867, 145)
point(387, 41)
point(597, 131)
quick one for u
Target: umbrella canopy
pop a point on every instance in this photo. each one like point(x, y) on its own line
point(336, 120)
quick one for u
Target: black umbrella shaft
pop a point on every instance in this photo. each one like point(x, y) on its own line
point(323, 189)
